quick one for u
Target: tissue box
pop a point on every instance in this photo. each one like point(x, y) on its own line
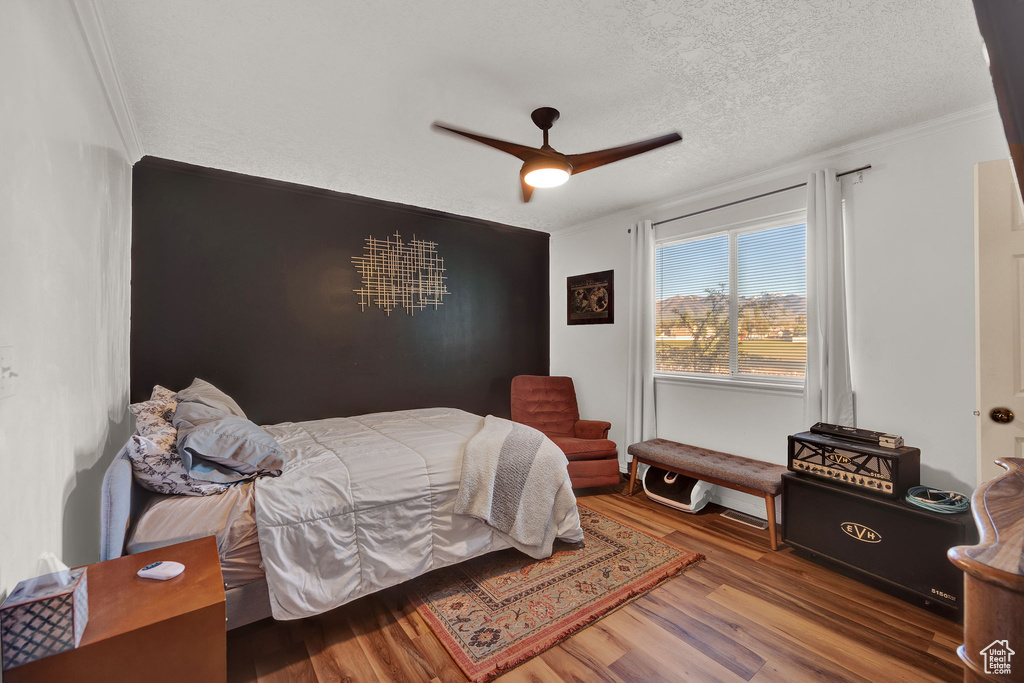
point(36, 623)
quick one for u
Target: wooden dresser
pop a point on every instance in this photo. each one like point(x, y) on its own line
point(146, 630)
point(994, 579)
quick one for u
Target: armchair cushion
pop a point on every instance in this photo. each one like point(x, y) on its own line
point(547, 404)
point(585, 473)
point(585, 449)
point(592, 429)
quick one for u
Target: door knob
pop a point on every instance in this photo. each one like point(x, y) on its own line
point(1002, 415)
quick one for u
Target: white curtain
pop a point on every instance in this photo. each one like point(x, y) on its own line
point(640, 416)
point(829, 390)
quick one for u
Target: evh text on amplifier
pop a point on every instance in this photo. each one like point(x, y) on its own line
point(882, 471)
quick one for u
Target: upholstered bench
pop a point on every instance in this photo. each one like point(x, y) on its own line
point(756, 477)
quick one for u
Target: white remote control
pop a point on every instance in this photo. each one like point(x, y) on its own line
point(161, 570)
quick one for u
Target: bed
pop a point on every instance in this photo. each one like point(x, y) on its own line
point(364, 503)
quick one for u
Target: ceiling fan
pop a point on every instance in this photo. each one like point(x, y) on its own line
point(546, 167)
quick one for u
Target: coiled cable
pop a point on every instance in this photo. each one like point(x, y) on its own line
point(937, 500)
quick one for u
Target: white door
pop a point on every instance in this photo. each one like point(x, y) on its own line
point(999, 224)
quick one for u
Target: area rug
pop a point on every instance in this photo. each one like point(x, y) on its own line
point(494, 612)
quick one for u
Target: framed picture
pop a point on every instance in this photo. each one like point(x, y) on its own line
point(591, 298)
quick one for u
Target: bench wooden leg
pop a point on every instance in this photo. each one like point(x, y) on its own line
point(632, 476)
point(769, 502)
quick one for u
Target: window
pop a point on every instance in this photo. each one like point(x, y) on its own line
point(732, 305)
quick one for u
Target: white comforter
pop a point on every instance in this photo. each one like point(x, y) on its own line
point(365, 503)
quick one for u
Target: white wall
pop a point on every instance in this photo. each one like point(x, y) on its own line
point(910, 251)
point(65, 221)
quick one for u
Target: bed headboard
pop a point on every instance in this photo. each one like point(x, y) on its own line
point(121, 502)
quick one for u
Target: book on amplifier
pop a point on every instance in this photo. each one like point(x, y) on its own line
point(860, 465)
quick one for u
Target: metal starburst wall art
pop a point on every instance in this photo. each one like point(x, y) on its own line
point(396, 274)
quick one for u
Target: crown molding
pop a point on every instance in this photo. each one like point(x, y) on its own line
point(832, 156)
point(93, 30)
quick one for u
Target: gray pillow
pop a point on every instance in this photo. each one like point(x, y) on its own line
point(201, 391)
point(218, 447)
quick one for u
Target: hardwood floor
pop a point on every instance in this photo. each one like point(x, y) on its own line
point(745, 613)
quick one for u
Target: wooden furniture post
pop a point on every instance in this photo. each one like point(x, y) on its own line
point(994, 576)
point(769, 501)
point(632, 476)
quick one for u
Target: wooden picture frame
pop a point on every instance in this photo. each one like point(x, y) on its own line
point(590, 298)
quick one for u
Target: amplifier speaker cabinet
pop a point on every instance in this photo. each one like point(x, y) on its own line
point(887, 544)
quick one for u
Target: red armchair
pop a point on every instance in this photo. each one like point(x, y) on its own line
point(549, 404)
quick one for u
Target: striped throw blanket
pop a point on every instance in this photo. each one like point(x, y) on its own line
point(514, 479)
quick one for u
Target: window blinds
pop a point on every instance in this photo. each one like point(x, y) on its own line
point(733, 303)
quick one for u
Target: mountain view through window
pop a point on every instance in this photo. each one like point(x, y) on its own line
point(733, 304)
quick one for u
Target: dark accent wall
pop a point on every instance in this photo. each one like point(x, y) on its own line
point(248, 283)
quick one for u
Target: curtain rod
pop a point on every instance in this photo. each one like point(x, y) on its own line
point(748, 199)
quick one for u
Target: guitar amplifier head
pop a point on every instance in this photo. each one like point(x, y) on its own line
point(887, 472)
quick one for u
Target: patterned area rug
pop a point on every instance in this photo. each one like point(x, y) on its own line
point(494, 612)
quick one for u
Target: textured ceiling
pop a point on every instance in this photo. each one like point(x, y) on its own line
point(341, 95)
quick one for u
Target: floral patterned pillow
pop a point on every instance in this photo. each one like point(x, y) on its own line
point(162, 471)
point(153, 452)
point(153, 417)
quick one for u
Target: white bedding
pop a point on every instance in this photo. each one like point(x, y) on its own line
point(365, 503)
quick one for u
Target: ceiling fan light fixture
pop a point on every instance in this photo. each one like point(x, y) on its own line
point(546, 172)
point(545, 166)
point(547, 177)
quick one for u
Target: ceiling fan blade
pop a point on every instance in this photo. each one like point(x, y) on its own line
point(527, 189)
point(521, 151)
point(589, 160)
